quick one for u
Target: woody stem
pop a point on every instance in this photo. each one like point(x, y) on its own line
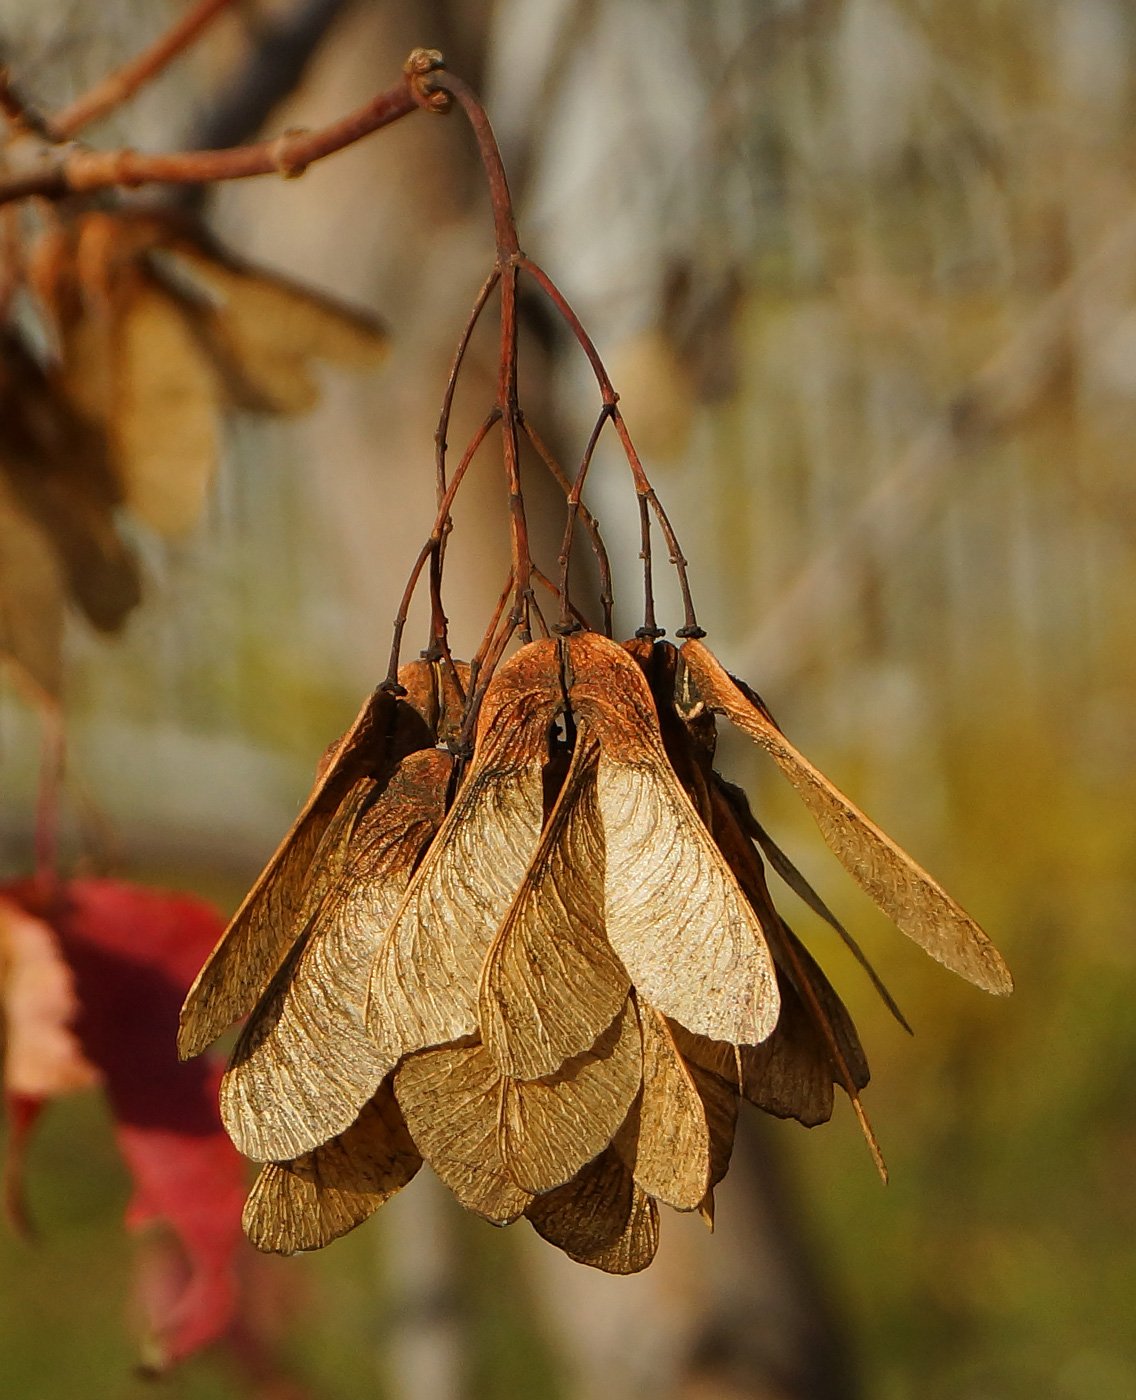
point(507, 260)
point(124, 82)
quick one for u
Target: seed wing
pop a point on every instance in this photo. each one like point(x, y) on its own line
point(305, 1062)
point(451, 1099)
point(424, 987)
point(666, 1139)
point(307, 1203)
point(276, 909)
point(600, 1218)
point(551, 982)
point(675, 914)
point(551, 1127)
point(917, 904)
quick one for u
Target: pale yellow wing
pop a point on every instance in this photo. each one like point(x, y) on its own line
point(307, 1203)
point(551, 982)
point(549, 1128)
point(916, 903)
point(675, 915)
point(600, 1218)
point(424, 987)
point(305, 1062)
point(451, 1099)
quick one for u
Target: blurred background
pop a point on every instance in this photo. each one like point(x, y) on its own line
point(864, 274)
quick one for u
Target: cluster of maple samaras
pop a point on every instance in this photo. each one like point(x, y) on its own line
point(132, 334)
point(551, 977)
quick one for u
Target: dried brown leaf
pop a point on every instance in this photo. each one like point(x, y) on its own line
point(304, 1062)
point(451, 1098)
point(551, 981)
point(424, 989)
point(162, 416)
point(666, 1139)
point(276, 909)
point(32, 599)
point(307, 1203)
point(549, 1128)
point(917, 905)
point(261, 330)
point(675, 914)
point(600, 1218)
point(56, 463)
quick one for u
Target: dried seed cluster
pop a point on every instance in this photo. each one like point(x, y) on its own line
point(551, 972)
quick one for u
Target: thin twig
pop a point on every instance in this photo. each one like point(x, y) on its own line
point(56, 171)
point(643, 486)
point(440, 435)
point(117, 87)
point(591, 524)
point(574, 507)
point(434, 540)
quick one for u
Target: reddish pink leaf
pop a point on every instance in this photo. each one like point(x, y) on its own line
point(132, 953)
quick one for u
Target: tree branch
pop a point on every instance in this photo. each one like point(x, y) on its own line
point(116, 87)
point(56, 171)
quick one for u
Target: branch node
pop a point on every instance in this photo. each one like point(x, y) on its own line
point(285, 163)
point(418, 67)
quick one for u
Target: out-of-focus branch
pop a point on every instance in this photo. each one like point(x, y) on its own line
point(116, 87)
point(55, 171)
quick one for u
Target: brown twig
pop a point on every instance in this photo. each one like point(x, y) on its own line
point(591, 524)
point(643, 486)
point(55, 171)
point(434, 540)
point(122, 84)
point(574, 507)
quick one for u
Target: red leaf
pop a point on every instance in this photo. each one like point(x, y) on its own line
point(132, 953)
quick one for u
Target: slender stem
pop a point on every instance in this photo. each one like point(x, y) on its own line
point(650, 628)
point(440, 435)
point(610, 397)
point(603, 564)
point(646, 493)
point(504, 223)
point(573, 510)
point(62, 170)
point(574, 324)
point(116, 87)
point(507, 404)
point(578, 618)
point(434, 540)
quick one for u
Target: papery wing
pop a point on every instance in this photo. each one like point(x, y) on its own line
point(666, 1139)
point(675, 915)
point(551, 1127)
point(424, 988)
point(551, 982)
point(600, 1218)
point(307, 1203)
point(275, 911)
point(916, 903)
point(451, 1099)
point(305, 1061)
